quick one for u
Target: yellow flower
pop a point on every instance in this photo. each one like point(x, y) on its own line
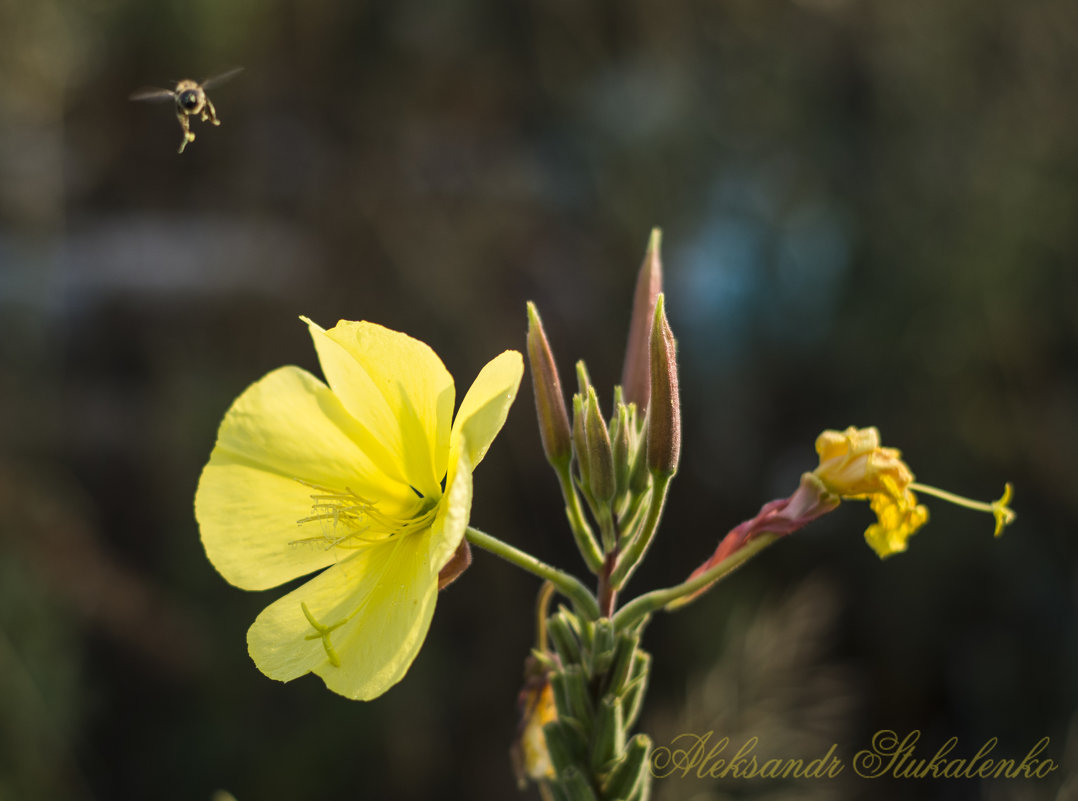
point(853, 465)
point(539, 710)
point(368, 478)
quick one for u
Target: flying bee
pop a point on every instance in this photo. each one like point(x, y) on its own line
point(191, 99)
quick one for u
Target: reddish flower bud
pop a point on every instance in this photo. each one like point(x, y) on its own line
point(664, 413)
point(549, 400)
point(636, 374)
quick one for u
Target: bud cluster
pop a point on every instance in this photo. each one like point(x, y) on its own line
point(598, 677)
point(620, 465)
point(617, 468)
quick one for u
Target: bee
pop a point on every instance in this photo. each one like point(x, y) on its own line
point(191, 100)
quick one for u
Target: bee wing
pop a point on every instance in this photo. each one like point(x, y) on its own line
point(152, 94)
point(217, 80)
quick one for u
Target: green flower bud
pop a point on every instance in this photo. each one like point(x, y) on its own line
point(580, 442)
point(602, 647)
point(566, 743)
point(632, 698)
point(576, 686)
point(565, 640)
point(624, 657)
point(632, 774)
point(576, 785)
point(583, 380)
point(621, 442)
point(600, 453)
point(608, 739)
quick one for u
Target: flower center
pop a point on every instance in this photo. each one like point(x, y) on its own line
point(349, 520)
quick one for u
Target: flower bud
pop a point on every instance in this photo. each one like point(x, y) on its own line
point(549, 400)
point(636, 374)
point(583, 380)
point(621, 441)
point(664, 413)
point(600, 453)
point(580, 441)
point(632, 773)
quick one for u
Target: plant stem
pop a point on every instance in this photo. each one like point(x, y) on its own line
point(608, 595)
point(649, 602)
point(585, 540)
point(567, 585)
point(632, 555)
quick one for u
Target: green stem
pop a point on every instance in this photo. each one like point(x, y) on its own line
point(585, 540)
point(567, 585)
point(652, 601)
point(632, 555)
point(627, 521)
point(608, 535)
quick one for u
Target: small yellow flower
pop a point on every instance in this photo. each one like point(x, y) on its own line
point(367, 480)
point(539, 710)
point(853, 465)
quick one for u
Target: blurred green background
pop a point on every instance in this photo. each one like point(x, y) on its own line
point(869, 218)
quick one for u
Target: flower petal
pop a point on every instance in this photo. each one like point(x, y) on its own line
point(398, 389)
point(899, 516)
point(484, 409)
point(372, 612)
point(248, 520)
point(453, 513)
point(285, 429)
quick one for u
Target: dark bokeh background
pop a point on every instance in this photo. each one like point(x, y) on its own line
point(868, 213)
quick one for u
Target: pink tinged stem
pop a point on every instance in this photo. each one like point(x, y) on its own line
point(779, 518)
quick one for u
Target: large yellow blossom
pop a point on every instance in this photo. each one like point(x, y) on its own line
point(368, 480)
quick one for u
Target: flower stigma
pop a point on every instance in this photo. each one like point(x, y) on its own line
point(322, 633)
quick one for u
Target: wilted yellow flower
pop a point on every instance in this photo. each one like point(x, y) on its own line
point(853, 465)
point(852, 462)
point(369, 478)
point(539, 711)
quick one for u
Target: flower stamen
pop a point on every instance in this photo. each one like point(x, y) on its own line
point(364, 524)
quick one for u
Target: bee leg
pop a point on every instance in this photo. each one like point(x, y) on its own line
point(188, 134)
point(209, 113)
